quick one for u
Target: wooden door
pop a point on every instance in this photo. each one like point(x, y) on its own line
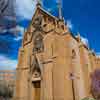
point(37, 91)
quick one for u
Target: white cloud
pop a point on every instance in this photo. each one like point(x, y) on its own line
point(18, 38)
point(14, 30)
point(69, 24)
point(21, 30)
point(7, 63)
point(3, 30)
point(17, 31)
point(98, 54)
point(25, 8)
point(10, 18)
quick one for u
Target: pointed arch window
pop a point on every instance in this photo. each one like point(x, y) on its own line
point(35, 71)
point(38, 43)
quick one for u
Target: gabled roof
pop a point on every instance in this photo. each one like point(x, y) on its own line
point(49, 14)
point(39, 8)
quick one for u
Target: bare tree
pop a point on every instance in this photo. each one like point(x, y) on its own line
point(95, 84)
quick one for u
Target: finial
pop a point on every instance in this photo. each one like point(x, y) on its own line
point(60, 9)
point(92, 50)
point(79, 36)
point(38, 3)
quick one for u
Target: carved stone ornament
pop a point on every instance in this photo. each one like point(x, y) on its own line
point(38, 44)
point(35, 66)
point(37, 24)
point(35, 70)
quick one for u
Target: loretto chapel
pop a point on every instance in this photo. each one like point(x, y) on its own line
point(53, 64)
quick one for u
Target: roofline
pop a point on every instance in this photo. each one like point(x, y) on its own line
point(39, 7)
point(56, 18)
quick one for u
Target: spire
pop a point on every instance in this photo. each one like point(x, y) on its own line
point(38, 2)
point(60, 9)
point(79, 35)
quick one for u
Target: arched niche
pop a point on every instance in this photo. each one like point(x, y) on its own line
point(38, 43)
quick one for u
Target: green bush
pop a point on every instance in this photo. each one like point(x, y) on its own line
point(88, 98)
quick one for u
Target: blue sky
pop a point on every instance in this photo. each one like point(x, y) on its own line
point(85, 16)
point(81, 15)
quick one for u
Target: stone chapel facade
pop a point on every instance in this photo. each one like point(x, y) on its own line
point(53, 63)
